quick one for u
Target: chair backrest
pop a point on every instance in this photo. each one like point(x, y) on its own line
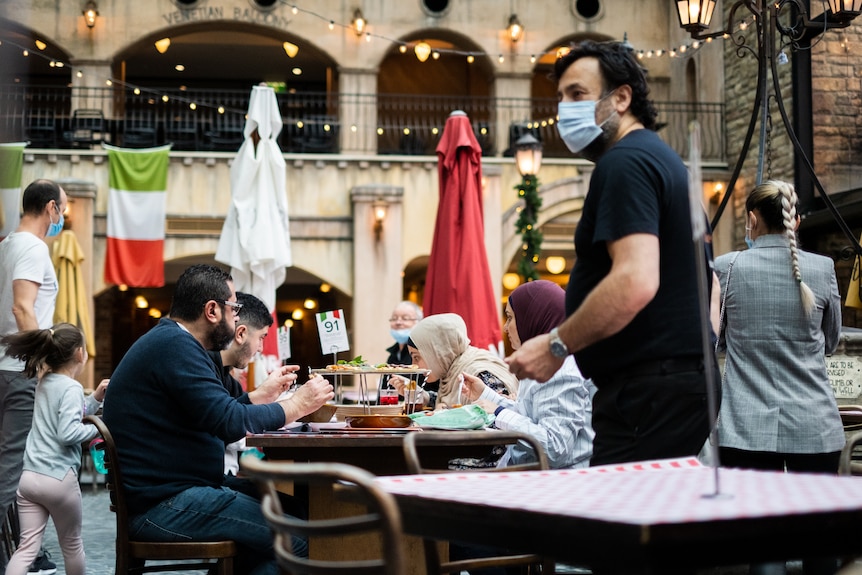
point(451, 441)
point(414, 442)
point(851, 456)
point(382, 517)
point(114, 481)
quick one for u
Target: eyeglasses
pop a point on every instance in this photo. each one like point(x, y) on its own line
point(236, 306)
point(401, 318)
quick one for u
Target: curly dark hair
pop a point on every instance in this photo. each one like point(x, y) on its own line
point(619, 67)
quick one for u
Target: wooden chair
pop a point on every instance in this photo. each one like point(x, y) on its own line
point(132, 556)
point(382, 517)
point(413, 444)
point(851, 456)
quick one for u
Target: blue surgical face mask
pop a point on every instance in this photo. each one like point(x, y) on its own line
point(748, 241)
point(400, 335)
point(55, 229)
point(577, 123)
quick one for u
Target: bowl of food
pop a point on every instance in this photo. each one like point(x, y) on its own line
point(322, 414)
point(378, 421)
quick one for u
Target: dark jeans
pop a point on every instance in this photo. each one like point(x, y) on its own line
point(16, 417)
point(208, 514)
point(771, 461)
point(654, 411)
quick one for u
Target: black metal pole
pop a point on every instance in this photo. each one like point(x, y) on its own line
point(803, 120)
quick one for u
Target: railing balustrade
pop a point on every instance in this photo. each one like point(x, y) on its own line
point(213, 120)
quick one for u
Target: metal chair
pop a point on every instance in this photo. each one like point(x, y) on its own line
point(88, 128)
point(132, 556)
point(413, 444)
point(851, 456)
point(851, 417)
point(382, 517)
point(40, 128)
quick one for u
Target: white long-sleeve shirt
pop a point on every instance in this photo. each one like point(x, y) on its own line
point(558, 413)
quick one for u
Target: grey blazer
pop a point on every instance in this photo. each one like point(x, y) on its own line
point(776, 394)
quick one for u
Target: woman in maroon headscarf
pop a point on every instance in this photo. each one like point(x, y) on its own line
point(558, 412)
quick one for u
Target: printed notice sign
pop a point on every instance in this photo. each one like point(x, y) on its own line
point(332, 331)
point(283, 343)
point(845, 375)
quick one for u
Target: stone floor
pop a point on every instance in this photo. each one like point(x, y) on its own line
point(100, 531)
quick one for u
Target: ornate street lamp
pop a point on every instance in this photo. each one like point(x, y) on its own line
point(528, 158)
point(778, 25)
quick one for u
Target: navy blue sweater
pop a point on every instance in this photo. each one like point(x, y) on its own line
point(171, 417)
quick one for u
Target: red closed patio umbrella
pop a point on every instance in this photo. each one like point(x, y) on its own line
point(459, 280)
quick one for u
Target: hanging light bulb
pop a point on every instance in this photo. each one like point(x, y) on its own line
point(422, 51)
point(290, 49)
point(163, 45)
point(516, 30)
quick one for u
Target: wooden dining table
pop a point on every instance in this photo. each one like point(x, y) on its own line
point(380, 452)
point(644, 518)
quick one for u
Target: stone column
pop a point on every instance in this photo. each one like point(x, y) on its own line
point(358, 111)
point(82, 198)
point(377, 268)
point(492, 208)
point(513, 104)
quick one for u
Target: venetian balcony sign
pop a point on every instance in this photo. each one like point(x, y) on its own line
point(209, 13)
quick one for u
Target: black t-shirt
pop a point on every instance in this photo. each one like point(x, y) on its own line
point(640, 186)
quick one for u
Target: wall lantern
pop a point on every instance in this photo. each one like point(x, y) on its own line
point(515, 29)
point(90, 13)
point(379, 207)
point(359, 22)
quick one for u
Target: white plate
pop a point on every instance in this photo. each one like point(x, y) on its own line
point(328, 425)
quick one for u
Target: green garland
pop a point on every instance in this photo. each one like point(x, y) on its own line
point(531, 237)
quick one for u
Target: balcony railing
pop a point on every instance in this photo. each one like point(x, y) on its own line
point(213, 120)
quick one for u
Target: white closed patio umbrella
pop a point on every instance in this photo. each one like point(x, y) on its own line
point(255, 239)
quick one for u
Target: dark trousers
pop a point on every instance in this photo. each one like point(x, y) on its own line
point(771, 461)
point(653, 410)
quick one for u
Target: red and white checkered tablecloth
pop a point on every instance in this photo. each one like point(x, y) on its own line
point(659, 492)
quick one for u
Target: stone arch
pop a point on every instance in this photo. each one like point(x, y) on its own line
point(417, 130)
point(565, 196)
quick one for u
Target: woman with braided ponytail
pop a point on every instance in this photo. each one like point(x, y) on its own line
point(780, 316)
point(49, 483)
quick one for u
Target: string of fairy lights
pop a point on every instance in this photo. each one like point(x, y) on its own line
point(422, 49)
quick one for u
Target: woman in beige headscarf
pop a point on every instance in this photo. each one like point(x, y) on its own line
point(440, 344)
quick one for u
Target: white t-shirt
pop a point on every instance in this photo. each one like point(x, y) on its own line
point(24, 256)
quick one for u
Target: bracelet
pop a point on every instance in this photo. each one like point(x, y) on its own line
point(499, 409)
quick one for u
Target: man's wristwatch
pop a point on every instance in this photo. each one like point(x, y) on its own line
point(558, 346)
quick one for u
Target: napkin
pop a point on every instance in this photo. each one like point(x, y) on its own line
point(465, 417)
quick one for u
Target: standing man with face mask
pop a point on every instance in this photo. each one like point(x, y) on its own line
point(632, 301)
point(28, 292)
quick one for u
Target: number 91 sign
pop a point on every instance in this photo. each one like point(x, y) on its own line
point(332, 331)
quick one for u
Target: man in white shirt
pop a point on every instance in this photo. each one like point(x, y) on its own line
point(28, 292)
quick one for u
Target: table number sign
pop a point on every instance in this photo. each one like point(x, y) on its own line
point(332, 331)
point(283, 334)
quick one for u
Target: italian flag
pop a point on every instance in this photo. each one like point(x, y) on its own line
point(137, 182)
point(11, 167)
